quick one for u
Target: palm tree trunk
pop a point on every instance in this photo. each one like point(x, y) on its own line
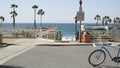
point(106, 23)
point(35, 18)
point(13, 21)
point(41, 20)
point(97, 22)
point(13, 9)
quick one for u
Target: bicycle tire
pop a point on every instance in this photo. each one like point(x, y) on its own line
point(99, 60)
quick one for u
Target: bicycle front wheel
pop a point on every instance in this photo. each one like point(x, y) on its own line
point(97, 57)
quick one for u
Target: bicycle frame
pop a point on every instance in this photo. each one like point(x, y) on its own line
point(103, 47)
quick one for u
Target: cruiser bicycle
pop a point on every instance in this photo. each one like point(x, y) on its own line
point(98, 56)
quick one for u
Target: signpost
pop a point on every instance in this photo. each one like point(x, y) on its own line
point(80, 17)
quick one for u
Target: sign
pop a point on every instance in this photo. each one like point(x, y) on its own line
point(80, 16)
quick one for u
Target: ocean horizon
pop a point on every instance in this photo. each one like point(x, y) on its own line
point(67, 29)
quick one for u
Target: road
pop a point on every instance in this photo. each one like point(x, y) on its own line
point(56, 57)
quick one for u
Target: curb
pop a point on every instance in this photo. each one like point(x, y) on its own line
point(48, 40)
point(70, 44)
point(64, 44)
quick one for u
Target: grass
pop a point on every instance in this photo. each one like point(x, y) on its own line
point(3, 44)
point(50, 36)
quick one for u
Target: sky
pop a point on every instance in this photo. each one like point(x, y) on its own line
point(59, 11)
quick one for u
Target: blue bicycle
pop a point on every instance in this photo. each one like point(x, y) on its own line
point(98, 56)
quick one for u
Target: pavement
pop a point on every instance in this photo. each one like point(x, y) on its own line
point(21, 46)
point(52, 57)
point(17, 47)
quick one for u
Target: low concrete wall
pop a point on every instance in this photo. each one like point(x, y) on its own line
point(116, 35)
point(16, 32)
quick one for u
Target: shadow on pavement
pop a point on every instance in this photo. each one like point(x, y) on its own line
point(105, 66)
point(6, 44)
point(7, 66)
point(11, 44)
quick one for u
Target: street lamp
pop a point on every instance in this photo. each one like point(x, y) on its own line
point(80, 17)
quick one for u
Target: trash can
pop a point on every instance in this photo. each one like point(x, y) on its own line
point(0, 38)
point(86, 37)
point(58, 36)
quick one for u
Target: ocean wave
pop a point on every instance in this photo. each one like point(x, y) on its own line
point(68, 38)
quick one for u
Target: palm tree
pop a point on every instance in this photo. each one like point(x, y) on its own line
point(97, 17)
point(40, 12)
point(13, 6)
point(105, 20)
point(34, 7)
point(2, 19)
point(116, 20)
point(14, 13)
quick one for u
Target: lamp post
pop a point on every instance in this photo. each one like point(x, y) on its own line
point(80, 37)
point(80, 17)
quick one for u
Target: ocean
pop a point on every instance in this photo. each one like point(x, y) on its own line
point(67, 29)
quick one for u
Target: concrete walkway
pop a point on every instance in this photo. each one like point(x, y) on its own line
point(17, 47)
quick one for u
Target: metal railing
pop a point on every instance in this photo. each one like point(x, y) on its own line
point(48, 33)
point(19, 33)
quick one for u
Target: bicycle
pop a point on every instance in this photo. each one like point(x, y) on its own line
point(98, 56)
